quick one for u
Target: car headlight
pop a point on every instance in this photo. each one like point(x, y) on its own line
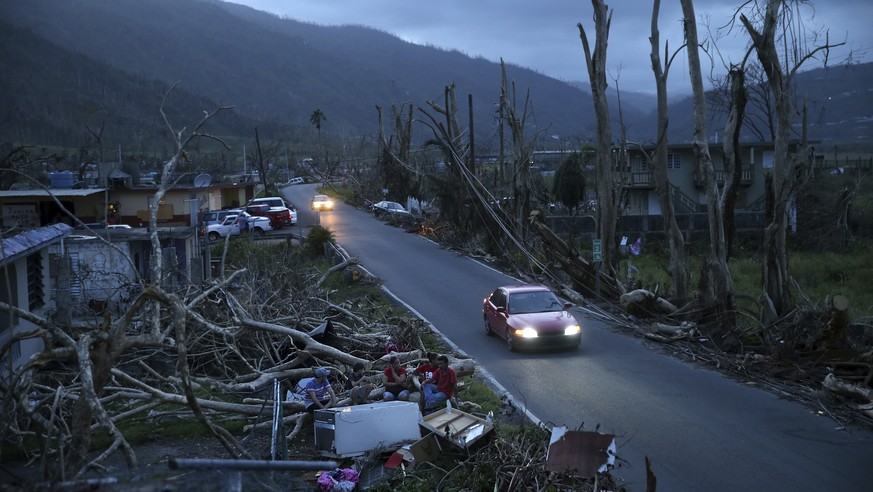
point(572, 330)
point(526, 332)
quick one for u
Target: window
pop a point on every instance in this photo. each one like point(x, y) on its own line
point(9, 295)
point(639, 164)
point(674, 161)
point(498, 298)
point(767, 159)
point(35, 281)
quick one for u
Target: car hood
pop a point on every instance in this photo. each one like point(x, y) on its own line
point(549, 321)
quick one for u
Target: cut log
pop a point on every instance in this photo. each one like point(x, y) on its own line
point(403, 357)
point(647, 302)
point(836, 385)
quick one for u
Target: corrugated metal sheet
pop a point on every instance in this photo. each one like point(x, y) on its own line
point(64, 192)
point(28, 241)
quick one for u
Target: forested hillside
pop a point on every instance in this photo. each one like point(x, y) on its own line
point(54, 97)
point(70, 65)
point(271, 68)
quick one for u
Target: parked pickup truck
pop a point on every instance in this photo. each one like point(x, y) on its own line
point(281, 213)
point(230, 225)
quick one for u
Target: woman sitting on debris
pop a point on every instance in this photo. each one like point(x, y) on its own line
point(395, 381)
point(359, 384)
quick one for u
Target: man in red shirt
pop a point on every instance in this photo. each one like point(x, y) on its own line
point(426, 370)
point(441, 386)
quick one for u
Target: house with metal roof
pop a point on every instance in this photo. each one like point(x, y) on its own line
point(117, 204)
point(28, 274)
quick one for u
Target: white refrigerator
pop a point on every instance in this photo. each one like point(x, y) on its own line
point(355, 430)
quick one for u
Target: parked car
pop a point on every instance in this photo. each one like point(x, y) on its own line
point(388, 208)
point(233, 226)
point(530, 315)
point(321, 202)
point(281, 213)
point(214, 217)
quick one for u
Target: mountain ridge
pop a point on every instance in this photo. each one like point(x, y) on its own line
point(279, 70)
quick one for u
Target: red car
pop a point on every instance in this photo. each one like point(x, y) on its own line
point(530, 315)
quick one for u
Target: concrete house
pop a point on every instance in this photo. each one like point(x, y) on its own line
point(36, 208)
point(28, 281)
point(108, 266)
point(688, 186)
point(131, 205)
point(120, 202)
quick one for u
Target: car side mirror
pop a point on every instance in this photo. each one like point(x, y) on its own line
point(568, 305)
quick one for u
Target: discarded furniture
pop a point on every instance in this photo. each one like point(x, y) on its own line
point(457, 427)
point(354, 430)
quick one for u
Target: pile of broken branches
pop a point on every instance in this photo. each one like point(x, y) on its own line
point(212, 353)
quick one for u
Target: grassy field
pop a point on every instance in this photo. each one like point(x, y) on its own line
point(815, 276)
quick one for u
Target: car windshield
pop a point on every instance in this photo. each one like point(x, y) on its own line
point(534, 302)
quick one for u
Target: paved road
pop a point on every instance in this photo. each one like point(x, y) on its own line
point(704, 432)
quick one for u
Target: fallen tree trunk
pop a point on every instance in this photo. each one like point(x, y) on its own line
point(253, 410)
point(310, 345)
point(853, 391)
point(661, 332)
point(644, 302)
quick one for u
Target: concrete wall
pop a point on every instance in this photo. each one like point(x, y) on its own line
point(14, 291)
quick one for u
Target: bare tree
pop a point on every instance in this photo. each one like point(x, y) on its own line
point(608, 187)
point(396, 151)
point(716, 289)
point(761, 120)
point(453, 190)
point(783, 45)
point(678, 263)
point(95, 353)
point(522, 150)
point(733, 162)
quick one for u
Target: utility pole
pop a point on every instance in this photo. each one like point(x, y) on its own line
point(472, 164)
point(500, 168)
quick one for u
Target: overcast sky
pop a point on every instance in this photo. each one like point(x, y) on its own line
point(542, 34)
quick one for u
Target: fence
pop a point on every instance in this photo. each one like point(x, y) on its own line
point(633, 224)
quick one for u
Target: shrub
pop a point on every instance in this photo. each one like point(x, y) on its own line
point(316, 239)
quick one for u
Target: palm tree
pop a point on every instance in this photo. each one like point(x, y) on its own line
point(316, 119)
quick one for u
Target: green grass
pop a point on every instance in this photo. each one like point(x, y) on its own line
point(481, 394)
point(818, 275)
point(138, 432)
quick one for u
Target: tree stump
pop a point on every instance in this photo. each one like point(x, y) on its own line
point(834, 334)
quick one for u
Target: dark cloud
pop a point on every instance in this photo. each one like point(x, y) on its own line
point(543, 36)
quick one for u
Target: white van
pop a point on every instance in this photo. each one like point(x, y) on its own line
point(295, 181)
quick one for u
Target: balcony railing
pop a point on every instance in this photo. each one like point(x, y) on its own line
point(638, 180)
point(745, 177)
